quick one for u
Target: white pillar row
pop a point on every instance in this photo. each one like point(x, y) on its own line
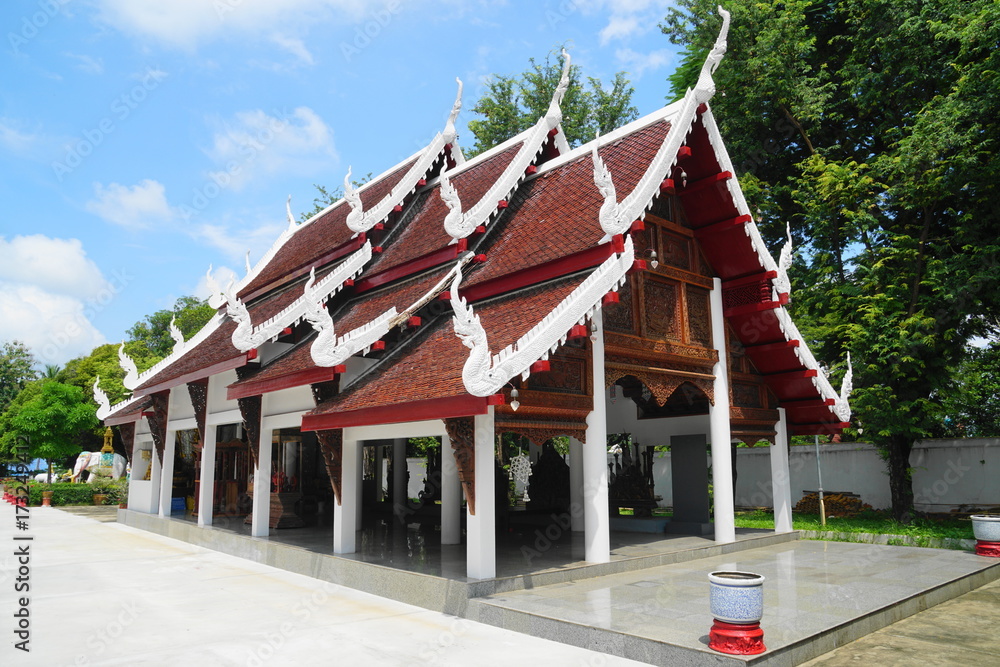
point(720, 432)
point(596, 516)
point(399, 493)
point(167, 472)
point(781, 482)
point(206, 492)
point(345, 515)
point(576, 485)
point(451, 495)
point(152, 500)
point(261, 517)
point(481, 557)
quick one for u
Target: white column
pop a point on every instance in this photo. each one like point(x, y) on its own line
point(167, 473)
point(206, 492)
point(719, 430)
point(451, 495)
point(781, 483)
point(481, 557)
point(597, 520)
point(576, 485)
point(399, 494)
point(345, 515)
point(151, 500)
point(261, 517)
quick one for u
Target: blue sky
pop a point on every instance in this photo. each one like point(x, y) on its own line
point(143, 140)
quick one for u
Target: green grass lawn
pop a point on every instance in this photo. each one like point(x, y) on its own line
point(873, 522)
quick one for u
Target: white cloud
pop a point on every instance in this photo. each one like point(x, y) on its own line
point(255, 144)
point(222, 275)
point(60, 266)
point(87, 64)
point(627, 19)
point(49, 292)
point(619, 27)
point(235, 243)
point(13, 139)
point(186, 23)
point(295, 46)
point(637, 63)
point(135, 207)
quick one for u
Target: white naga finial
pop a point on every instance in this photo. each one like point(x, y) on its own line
point(610, 214)
point(842, 408)
point(782, 283)
point(288, 210)
point(454, 221)
point(131, 380)
point(176, 334)
point(104, 405)
point(215, 296)
point(357, 214)
point(450, 133)
point(705, 88)
point(554, 114)
point(246, 260)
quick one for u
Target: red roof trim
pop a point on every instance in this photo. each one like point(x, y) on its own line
point(464, 405)
point(706, 182)
point(767, 348)
point(747, 280)
point(200, 374)
point(302, 269)
point(405, 269)
point(297, 379)
point(534, 275)
point(721, 226)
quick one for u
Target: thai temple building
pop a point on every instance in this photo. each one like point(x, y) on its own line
point(620, 287)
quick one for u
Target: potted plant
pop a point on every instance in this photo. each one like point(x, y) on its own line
point(100, 488)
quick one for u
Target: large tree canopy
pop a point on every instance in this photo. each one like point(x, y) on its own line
point(57, 420)
point(512, 104)
point(17, 368)
point(870, 126)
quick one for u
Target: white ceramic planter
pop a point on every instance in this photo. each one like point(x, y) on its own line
point(986, 527)
point(736, 597)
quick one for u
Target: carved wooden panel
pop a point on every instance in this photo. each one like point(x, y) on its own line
point(158, 422)
point(198, 391)
point(565, 375)
point(462, 432)
point(674, 250)
point(250, 408)
point(746, 395)
point(699, 316)
point(541, 432)
point(619, 317)
point(127, 431)
point(662, 310)
point(331, 443)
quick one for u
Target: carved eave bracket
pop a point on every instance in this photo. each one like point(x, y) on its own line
point(462, 434)
point(331, 443)
point(484, 374)
point(158, 422)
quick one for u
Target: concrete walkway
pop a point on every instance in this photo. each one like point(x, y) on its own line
point(957, 632)
point(106, 594)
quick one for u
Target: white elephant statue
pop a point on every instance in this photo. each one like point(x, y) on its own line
point(90, 461)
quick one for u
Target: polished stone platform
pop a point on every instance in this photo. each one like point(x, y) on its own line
point(650, 603)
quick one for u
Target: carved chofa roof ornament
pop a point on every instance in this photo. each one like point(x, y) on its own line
point(330, 350)
point(176, 334)
point(705, 88)
point(291, 219)
point(360, 220)
point(246, 336)
point(611, 213)
point(782, 284)
point(216, 297)
point(131, 380)
point(842, 408)
point(485, 374)
point(104, 405)
point(460, 224)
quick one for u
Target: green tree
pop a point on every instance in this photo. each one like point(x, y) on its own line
point(971, 403)
point(101, 362)
point(16, 370)
point(150, 339)
point(871, 126)
point(56, 419)
point(326, 198)
point(512, 104)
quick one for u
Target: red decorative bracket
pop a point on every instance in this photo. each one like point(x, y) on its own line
point(540, 366)
point(378, 346)
point(481, 229)
point(553, 132)
point(683, 152)
point(610, 297)
point(397, 208)
point(349, 282)
point(479, 259)
point(414, 321)
point(379, 226)
point(638, 265)
point(251, 354)
point(502, 204)
point(495, 399)
point(340, 369)
point(618, 243)
point(286, 331)
point(422, 182)
point(463, 245)
point(578, 331)
point(637, 226)
point(667, 187)
point(377, 249)
point(532, 169)
point(444, 296)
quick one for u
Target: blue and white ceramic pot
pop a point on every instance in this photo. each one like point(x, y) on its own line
point(986, 527)
point(736, 597)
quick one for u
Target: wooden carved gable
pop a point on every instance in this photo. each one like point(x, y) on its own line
point(198, 391)
point(331, 442)
point(127, 432)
